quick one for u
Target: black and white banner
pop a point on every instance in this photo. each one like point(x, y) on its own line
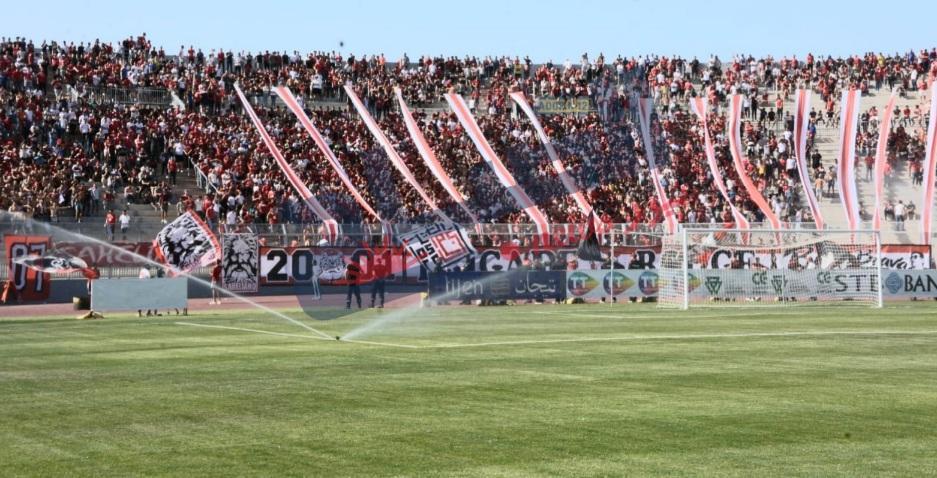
point(240, 262)
point(53, 262)
point(186, 244)
point(445, 241)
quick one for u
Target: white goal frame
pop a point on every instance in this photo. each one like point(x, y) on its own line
point(676, 290)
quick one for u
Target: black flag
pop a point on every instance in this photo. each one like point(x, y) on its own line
point(589, 242)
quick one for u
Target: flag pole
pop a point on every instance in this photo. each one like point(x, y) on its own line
point(611, 266)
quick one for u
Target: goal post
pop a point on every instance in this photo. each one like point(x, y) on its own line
point(770, 268)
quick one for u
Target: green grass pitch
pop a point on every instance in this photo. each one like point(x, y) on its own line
point(579, 391)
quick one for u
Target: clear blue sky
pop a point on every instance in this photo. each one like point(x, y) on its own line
point(543, 30)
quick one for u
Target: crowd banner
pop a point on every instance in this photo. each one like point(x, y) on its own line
point(291, 176)
point(28, 283)
point(240, 263)
point(699, 107)
point(445, 242)
point(185, 244)
point(139, 294)
point(567, 181)
point(513, 285)
point(287, 96)
point(430, 159)
point(930, 157)
point(395, 158)
point(115, 254)
point(457, 103)
point(801, 107)
point(645, 107)
point(846, 177)
point(735, 148)
point(881, 160)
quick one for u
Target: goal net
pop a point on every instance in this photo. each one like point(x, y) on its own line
point(766, 268)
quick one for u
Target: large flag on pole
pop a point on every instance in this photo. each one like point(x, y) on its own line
point(801, 107)
point(457, 103)
point(446, 243)
point(291, 176)
point(186, 244)
point(588, 249)
point(930, 156)
point(735, 148)
point(847, 157)
point(567, 181)
point(645, 107)
point(291, 103)
point(431, 161)
point(53, 262)
point(881, 159)
point(395, 158)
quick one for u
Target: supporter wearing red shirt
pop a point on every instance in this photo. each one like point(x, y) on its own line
point(110, 221)
point(216, 283)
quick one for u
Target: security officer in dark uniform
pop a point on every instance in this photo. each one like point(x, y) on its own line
point(352, 278)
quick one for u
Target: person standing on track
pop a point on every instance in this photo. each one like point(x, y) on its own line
point(380, 272)
point(352, 277)
point(216, 283)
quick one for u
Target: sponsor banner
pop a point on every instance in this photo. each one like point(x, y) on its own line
point(615, 283)
point(127, 254)
point(754, 284)
point(139, 294)
point(240, 262)
point(513, 285)
point(29, 284)
point(904, 284)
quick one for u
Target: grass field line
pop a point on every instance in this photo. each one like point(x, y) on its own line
point(252, 330)
point(815, 333)
point(685, 337)
point(388, 344)
point(619, 314)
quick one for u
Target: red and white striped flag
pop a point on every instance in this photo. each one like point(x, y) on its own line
point(457, 103)
point(735, 149)
point(645, 107)
point(431, 161)
point(291, 176)
point(927, 203)
point(847, 157)
point(801, 121)
point(288, 98)
point(558, 166)
point(699, 107)
point(881, 159)
point(395, 158)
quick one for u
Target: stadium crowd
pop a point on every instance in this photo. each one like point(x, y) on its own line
point(67, 156)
